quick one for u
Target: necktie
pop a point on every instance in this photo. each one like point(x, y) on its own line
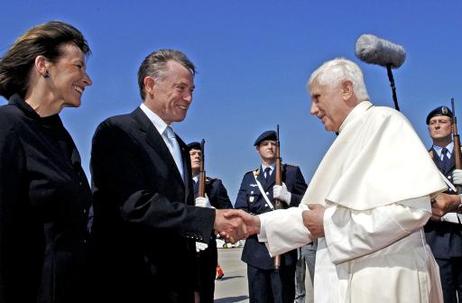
point(446, 163)
point(174, 148)
point(267, 174)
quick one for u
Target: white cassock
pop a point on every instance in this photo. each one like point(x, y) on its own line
point(375, 182)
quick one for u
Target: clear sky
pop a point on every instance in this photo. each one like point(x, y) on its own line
point(253, 59)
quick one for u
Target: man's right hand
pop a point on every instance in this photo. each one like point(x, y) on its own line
point(238, 224)
point(230, 225)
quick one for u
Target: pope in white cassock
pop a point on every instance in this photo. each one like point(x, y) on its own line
point(373, 189)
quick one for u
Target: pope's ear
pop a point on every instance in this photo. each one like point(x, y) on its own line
point(347, 89)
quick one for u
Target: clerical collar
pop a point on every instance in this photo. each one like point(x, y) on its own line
point(362, 107)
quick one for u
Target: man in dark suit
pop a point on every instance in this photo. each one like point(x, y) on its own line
point(445, 238)
point(256, 196)
point(145, 222)
point(216, 197)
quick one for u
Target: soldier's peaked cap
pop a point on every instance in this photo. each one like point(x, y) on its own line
point(266, 135)
point(440, 111)
point(194, 145)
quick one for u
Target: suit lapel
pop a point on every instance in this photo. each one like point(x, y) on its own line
point(154, 140)
point(186, 168)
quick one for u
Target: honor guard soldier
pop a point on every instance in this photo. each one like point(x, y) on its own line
point(216, 197)
point(445, 238)
point(256, 196)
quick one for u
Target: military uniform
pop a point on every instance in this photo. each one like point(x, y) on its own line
point(207, 259)
point(266, 284)
point(444, 238)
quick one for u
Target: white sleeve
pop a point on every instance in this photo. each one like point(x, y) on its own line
point(283, 230)
point(352, 233)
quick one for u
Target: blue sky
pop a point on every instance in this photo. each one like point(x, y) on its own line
point(253, 59)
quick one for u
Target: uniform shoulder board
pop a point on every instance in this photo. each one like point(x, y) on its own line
point(210, 179)
point(254, 172)
point(289, 165)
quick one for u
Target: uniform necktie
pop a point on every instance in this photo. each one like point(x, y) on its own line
point(267, 174)
point(174, 148)
point(445, 161)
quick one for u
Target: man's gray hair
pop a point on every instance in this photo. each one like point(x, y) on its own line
point(339, 69)
point(155, 65)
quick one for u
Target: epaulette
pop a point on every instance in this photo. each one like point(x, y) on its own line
point(210, 179)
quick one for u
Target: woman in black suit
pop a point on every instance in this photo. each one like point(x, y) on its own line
point(44, 194)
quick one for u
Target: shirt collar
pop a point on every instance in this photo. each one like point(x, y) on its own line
point(159, 124)
point(263, 167)
point(449, 147)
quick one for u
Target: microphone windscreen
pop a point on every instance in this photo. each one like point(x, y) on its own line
point(374, 50)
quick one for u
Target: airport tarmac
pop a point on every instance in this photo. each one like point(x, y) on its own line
point(232, 288)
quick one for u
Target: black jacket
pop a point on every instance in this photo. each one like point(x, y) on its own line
point(144, 220)
point(44, 201)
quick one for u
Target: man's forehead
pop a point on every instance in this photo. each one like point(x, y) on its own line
point(267, 141)
point(440, 117)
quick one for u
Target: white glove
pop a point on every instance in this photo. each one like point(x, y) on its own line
point(457, 177)
point(201, 246)
point(203, 202)
point(280, 192)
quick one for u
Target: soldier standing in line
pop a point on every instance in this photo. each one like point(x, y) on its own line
point(445, 238)
point(216, 197)
point(255, 196)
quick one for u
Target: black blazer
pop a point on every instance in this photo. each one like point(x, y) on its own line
point(44, 202)
point(250, 199)
point(145, 223)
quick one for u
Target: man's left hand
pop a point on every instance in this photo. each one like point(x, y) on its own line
point(280, 192)
point(313, 219)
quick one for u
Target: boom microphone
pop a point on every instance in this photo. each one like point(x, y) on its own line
point(374, 50)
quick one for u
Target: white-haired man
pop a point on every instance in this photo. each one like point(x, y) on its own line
point(368, 200)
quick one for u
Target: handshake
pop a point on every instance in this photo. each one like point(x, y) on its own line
point(234, 225)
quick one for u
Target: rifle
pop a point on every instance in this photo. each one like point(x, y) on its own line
point(201, 189)
point(456, 139)
point(278, 181)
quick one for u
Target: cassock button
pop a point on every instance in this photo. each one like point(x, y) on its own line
point(267, 193)
point(266, 205)
point(449, 177)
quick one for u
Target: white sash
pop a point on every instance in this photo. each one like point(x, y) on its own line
point(263, 193)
